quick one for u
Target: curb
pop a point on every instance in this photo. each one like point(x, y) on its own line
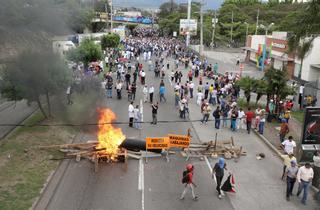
point(50, 178)
point(266, 141)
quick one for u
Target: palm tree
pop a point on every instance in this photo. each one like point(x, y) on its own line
point(247, 85)
point(302, 50)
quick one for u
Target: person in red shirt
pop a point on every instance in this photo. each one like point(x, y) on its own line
point(249, 117)
point(187, 180)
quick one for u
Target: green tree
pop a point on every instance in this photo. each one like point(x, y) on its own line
point(86, 52)
point(277, 84)
point(260, 88)
point(111, 40)
point(32, 75)
point(247, 85)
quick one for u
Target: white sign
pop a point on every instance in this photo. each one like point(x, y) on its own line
point(278, 45)
point(175, 34)
point(188, 27)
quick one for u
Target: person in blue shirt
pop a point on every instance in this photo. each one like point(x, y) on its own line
point(162, 91)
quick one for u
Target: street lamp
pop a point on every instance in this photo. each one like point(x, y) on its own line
point(247, 29)
point(266, 27)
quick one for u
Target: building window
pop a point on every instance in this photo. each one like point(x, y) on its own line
point(297, 70)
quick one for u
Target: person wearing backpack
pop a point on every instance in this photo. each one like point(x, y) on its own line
point(216, 114)
point(218, 173)
point(187, 180)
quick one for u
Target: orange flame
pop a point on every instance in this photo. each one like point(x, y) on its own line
point(109, 137)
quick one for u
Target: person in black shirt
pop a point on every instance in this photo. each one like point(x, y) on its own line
point(133, 91)
point(154, 113)
point(218, 173)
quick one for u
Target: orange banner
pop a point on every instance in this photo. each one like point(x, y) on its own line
point(157, 143)
point(179, 141)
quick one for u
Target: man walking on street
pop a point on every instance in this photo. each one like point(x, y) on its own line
point(217, 115)
point(131, 113)
point(289, 145)
point(304, 177)
point(154, 107)
point(218, 173)
point(249, 117)
point(162, 91)
point(291, 173)
point(151, 91)
point(187, 180)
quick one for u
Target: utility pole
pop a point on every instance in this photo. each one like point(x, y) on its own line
point(257, 23)
point(189, 16)
point(231, 27)
point(201, 29)
point(111, 16)
point(214, 26)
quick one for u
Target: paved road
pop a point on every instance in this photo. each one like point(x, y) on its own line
point(13, 113)
point(116, 186)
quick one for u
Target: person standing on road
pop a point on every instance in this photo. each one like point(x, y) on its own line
point(304, 177)
point(249, 117)
point(206, 90)
point(154, 107)
point(240, 123)
point(234, 116)
point(218, 173)
point(291, 174)
point(187, 180)
point(217, 114)
point(191, 87)
point(162, 91)
point(206, 113)
point(119, 89)
point(143, 77)
point(215, 68)
point(137, 118)
point(151, 91)
point(145, 93)
point(131, 113)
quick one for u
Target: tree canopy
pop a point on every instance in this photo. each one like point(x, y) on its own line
point(110, 40)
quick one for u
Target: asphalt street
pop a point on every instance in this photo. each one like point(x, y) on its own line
point(14, 113)
point(156, 185)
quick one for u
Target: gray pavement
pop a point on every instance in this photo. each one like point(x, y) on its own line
point(116, 186)
point(227, 62)
point(14, 113)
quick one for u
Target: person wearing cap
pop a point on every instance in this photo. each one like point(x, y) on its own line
point(291, 174)
point(287, 158)
point(189, 182)
point(304, 177)
point(284, 130)
point(218, 173)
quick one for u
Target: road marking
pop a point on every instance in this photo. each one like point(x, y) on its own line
point(141, 182)
point(208, 164)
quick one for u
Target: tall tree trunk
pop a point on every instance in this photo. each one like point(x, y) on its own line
point(300, 71)
point(41, 108)
point(259, 95)
point(49, 104)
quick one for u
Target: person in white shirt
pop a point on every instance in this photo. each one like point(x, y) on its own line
point(304, 177)
point(200, 96)
point(143, 77)
point(289, 145)
point(151, 91)
point(131, 113)
point(137, 117)
point(145, 93)
point(241, 118)
point(316, 169)
point(191, 87)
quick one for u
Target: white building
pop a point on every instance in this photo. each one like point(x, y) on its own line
point(310, 70)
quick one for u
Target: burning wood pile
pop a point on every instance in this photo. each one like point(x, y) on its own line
point(214, 148)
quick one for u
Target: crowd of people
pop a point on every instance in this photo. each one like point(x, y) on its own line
point(193, 80)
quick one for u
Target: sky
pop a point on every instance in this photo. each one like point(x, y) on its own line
point(209, 4)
